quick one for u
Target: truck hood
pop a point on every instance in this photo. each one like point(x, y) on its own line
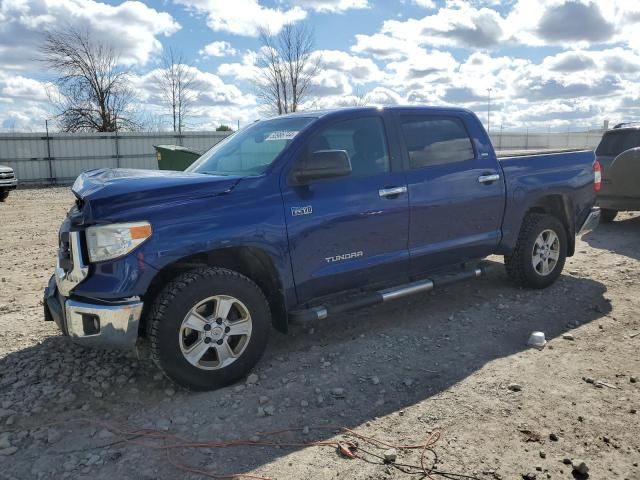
point(5, 169)
point(107, 193)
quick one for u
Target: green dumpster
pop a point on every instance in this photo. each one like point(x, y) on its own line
point(175, 157)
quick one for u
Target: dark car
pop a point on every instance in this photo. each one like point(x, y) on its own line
point(619, 157)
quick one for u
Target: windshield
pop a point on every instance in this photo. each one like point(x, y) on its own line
point(252, 149)
point(614, 143)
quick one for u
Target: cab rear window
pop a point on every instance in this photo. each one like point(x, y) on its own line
point(613, 143)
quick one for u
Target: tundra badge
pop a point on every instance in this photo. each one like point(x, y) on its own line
point(344, 256)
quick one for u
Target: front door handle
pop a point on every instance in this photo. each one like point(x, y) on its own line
point(490, 178)
point(392, 191)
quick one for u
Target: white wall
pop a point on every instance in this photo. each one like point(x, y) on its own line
point(60, 157)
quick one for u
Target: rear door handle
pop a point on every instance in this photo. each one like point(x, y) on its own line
point(392, 192)
point(490, 178)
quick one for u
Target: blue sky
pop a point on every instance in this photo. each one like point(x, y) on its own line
point(549, 63)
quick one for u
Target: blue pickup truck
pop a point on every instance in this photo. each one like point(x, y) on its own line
point(300, 217)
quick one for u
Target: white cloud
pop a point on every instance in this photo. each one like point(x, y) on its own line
point(213, 101)
point(613, 61)
point(329, 83)
point(382, 47)
point(209, 90)
point(217, 49)
point(460, 25)
point(29, 118)
point(240, 71)
point(243, 17)
point(131, 27)
point(359, 70)
point(425, 3)
point(574, 23)
point(13, 88)
point(420, 67)
point(384, 96)
point(331, 6)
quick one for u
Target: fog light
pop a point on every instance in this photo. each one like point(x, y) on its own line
point(90, 324)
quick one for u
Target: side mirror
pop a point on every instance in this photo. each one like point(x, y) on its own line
point(323, 164)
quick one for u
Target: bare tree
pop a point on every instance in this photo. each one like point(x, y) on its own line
point(93, 92)
point(152, 122)
point(286, 67)
point(178, 83)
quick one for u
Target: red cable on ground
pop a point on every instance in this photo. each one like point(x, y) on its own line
point(178, 442)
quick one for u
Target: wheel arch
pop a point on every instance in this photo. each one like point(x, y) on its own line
point(252, 262)
point(560, 207)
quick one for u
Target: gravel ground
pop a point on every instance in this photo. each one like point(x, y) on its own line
point(454, 361)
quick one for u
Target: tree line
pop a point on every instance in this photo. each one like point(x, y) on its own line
point(93, 87)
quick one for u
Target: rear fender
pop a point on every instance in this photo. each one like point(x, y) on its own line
point(557, 205)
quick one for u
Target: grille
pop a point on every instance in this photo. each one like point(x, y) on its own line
point(6, 175)
point(64, 252)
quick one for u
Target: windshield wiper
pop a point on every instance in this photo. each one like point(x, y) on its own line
point(221, 174)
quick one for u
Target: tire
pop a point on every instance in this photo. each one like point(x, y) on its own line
point(4, 196)
point(607, 215)
point(173, 342)
point(520, 264)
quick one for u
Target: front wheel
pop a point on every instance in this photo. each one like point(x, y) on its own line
point(3, 196)
point(540, 253)
point(607, 215)
point(209, 327)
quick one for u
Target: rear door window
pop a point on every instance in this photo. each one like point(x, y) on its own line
point(614, 143)
point(432, 140)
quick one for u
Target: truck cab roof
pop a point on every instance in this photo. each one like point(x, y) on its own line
point(336, 112)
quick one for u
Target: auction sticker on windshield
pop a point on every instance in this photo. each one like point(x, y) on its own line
point(281, 135)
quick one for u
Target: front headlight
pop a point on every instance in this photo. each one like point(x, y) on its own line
point(106, 242)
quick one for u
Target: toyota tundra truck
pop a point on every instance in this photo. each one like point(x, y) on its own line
point(300, 217)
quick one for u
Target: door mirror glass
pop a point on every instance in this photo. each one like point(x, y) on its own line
point(323, 164)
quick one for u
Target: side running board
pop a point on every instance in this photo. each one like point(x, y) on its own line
point(381, 296)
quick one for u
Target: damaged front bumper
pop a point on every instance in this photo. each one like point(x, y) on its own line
point(94, 323)
point(100, 323)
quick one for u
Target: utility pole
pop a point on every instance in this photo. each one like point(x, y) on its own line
point(489, 109)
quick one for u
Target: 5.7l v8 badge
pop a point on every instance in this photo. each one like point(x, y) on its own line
point(297, 211)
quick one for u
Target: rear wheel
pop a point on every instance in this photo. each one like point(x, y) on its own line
point(540, 253)
point(607, 215)
point(209, 327)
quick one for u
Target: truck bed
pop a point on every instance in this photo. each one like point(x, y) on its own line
point(533, 174)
